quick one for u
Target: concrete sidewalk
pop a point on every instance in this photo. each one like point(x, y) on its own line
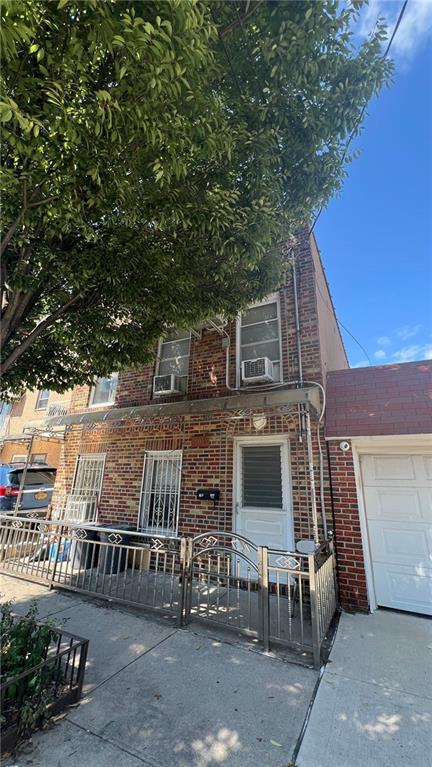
point(374, 702)
point(160, 696)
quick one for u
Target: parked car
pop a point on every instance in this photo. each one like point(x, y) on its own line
point(37, 490)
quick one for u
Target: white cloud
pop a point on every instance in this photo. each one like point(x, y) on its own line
point(383, 341)
point(362, 364)
point(414, 29)
point(380, 354)
point(408, 331)
point(413, 353)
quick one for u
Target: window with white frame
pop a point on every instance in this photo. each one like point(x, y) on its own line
point(38, 458)
point(173, 355)
point(42, 399)
point(18, 458)
point(160, 495)
point(260, 334)
point(104, 390)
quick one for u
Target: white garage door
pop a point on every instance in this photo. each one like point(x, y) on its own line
point(398, 502)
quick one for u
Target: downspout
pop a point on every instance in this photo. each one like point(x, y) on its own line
point(297, 320)
point(311, 476)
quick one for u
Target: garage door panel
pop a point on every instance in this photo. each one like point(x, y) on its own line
point(403, 588)
point(397, 470)
point(393, 543)
point(398, 503)
point(408, 504)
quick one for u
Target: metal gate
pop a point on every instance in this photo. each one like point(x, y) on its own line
point(224, 582)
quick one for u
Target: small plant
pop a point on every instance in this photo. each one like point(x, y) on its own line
point(24, 645)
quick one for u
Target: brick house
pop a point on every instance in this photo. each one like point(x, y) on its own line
point(209, 438)
point(379, 438)
point(22, 432)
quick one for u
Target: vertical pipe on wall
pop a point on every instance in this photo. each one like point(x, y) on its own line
point(311, 475)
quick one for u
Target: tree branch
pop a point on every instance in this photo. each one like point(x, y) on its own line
point(239, 21)
point(38, 331)
point(12, 229)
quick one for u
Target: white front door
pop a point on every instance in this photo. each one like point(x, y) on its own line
point(398, 503)
point(263, 499)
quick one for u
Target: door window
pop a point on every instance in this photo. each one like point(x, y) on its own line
point(262, 476)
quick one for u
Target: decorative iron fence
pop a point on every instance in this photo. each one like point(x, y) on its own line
point(49, 686)
point(279, 597)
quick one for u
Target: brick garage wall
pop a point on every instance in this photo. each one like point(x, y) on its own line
point(348, 538)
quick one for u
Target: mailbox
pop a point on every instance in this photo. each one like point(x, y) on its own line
point(208, 494)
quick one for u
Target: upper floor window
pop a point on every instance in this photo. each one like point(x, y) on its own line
point(174, 354)
point(42, 399)
point(104, 390)
point(260, 334)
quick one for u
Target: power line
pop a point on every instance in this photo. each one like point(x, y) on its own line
point(333, 313)
point(354, 130)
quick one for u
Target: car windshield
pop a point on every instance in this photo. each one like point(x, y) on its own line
point(33, 477)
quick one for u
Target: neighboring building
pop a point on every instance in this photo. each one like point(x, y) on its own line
point(204, 438)
point(379, 433)
point(26, 416)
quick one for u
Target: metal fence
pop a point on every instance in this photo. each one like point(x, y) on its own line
point(281, 598)
point(56, 681)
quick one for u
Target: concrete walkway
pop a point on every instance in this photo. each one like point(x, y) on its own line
point(374, 702)
point(160, 696)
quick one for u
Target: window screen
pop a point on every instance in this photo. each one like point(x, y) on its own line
point(262, 477)
point(260, 334)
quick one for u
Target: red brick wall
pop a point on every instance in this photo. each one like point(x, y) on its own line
point(207, 356)
point(347, 532)
point(380, 400)
point(209, 463)
point(207, 445)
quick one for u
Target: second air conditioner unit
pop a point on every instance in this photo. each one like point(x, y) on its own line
point(259, 370)
point(167, 384)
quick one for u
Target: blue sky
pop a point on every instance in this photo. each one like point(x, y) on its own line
point(376, 237)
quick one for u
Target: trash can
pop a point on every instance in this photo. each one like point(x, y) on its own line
point(83, 552)
point(113, 557)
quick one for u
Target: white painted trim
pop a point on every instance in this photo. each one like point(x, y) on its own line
point(268, 439)
point(385, 441)
point(107, 403)
point(370, 583)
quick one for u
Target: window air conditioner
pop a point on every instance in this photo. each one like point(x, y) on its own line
point(167, 384)
point(259, 370)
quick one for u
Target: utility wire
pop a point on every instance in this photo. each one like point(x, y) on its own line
point(354, 130)
point(350, 138)
point(333, 313)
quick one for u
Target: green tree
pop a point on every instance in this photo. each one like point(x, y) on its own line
point(155, 153)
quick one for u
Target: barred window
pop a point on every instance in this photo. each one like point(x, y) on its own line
point(160, 496)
